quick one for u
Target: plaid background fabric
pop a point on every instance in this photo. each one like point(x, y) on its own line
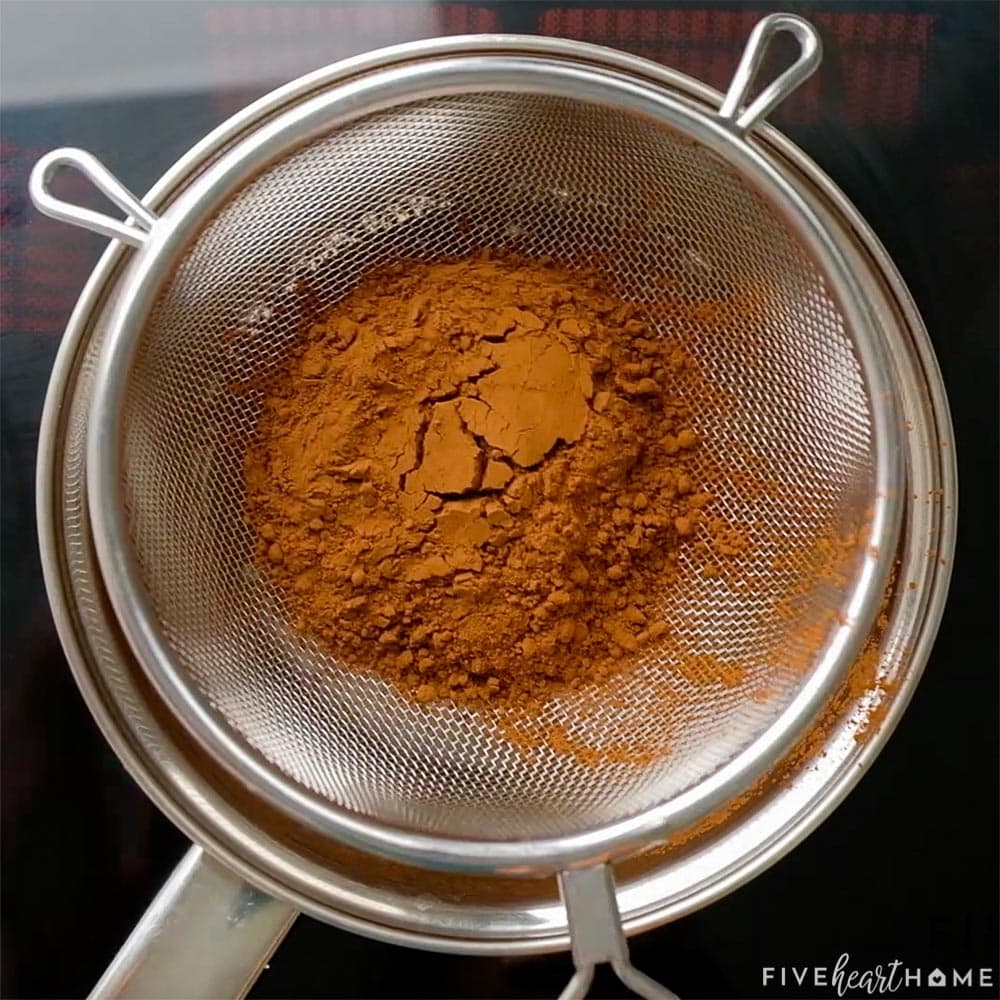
point(902, 115)
point(873, 71)
point(874, 75)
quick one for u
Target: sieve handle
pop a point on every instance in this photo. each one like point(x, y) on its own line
point(595, 928)
point(206, 935)
point(741, 119)
point(134, 231)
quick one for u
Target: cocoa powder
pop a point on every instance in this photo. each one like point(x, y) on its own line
point(470, 473)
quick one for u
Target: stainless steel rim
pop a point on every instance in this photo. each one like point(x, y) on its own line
point(643, 904)
point(109, 520)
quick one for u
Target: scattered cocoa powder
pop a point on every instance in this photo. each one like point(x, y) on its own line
point(863, 697)
point(469, 475)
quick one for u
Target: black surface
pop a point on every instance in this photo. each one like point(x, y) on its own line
point(905, 869)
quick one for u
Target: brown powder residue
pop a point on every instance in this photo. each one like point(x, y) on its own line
point(518, 726)
point(704, 669)
point(863, 697)
point(535, 396)
point(470, 475)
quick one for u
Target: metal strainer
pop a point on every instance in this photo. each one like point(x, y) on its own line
point(442, 157)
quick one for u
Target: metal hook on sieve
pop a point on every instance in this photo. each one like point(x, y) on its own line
point(774, 93)
point(595, 928)
point(134, 230)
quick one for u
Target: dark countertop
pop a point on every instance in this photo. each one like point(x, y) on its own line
point(903, 115)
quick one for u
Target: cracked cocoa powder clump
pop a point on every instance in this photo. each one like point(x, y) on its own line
point(472, 476)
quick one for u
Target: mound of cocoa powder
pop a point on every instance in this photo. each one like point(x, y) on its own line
point(470, 475)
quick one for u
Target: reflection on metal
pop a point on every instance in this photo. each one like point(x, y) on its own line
point(207, 934)
point(595, 927)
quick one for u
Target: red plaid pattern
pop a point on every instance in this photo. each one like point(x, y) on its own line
point(878, 57)
point(42, 266)
point(277, 42)
point(873, 75)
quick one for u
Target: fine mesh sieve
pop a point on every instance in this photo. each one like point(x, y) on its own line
point(543, 174)
point(543, 158)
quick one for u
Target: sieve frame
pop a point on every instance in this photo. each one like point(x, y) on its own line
point(168, 238)
point(107, 674)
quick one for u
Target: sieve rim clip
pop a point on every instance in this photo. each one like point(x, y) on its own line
point(732, 112)
point(134, 230)
point(596, 934)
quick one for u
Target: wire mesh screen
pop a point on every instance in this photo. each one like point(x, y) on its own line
point(787, 423)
